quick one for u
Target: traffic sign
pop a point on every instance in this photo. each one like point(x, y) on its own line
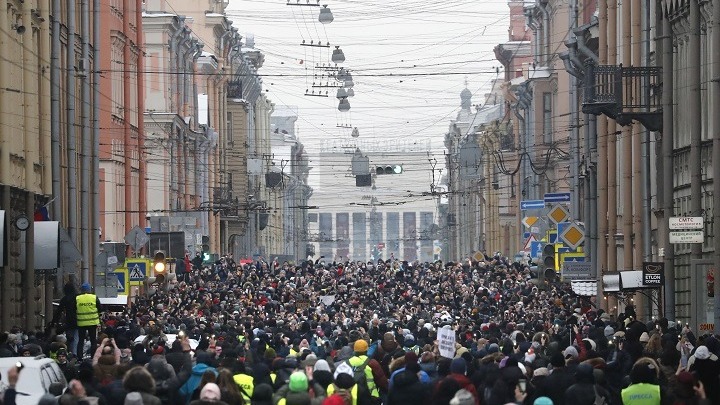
point(686, 223)
point(558, 214)
point(556, 197)
point(573, 235)
point(577, 271)
point(536, 249)
point(529, 221)
point(528, 243)
point(532, 204)
point(136, 238)
point(381, 245)
point(687, 237)
point(122, 276)
point(137, 269)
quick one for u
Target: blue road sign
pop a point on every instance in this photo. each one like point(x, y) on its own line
point(556, 197)
point(532, 204)
point(526, 235)
point(552, 237)
point(122, 281)
point(564, 249)
point(137, 270)
point(536, 248)
point(562, 226)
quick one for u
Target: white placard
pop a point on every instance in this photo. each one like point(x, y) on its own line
point(446, 342)
point(686, 223)
point(687, 237)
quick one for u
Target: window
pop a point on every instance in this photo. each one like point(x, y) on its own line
point(547, 118)
point(116, 61)
point(229, 131)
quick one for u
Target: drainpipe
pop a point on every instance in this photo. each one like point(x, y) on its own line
point(647, 184)
point(582, 47)
point(54, 112)
point(86, 212)
point(695, 129)
point(31, 146)
point(569, 66)
point(530, 22)
point(602, 164)
point(521, 138)
point(666, 160)
point(571, 44)
point(542, 4)
point(71, 135)
point(174, 45)
point(142, 164)
point(611, 136)
point(716, 152)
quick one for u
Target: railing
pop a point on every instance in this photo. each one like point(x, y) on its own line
point(625, 94)
point(235, 89)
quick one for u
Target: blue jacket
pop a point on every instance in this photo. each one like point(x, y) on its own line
point(193, 382)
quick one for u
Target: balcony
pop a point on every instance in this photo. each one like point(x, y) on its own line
point(235, 90)
point(625, 94)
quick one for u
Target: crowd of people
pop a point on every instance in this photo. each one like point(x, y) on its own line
point(366, 333)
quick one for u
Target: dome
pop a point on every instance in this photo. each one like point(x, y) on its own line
point(466, 99)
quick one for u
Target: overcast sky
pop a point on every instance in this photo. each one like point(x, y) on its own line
point(409, 60)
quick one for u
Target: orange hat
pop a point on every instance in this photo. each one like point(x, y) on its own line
point(360, 346)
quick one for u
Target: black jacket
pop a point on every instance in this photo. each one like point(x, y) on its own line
point(557, 383)
point(407, 389)
point(584, 394)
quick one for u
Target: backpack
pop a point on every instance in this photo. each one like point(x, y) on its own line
point(359, 372)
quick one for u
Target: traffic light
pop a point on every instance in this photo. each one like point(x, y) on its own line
point(548, 261)
point(159, 266)
point(389, 169)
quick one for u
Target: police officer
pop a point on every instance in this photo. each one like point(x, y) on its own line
point(88, 318)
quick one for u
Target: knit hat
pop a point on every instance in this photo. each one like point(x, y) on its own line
point(133, 398)
point(48, 399)
point(570, 351)
point(334, 399)
point(543, 401)
point(411, 357)
point(609, 331)
point(310, 360)
point(644, 338)
point(463, 397)
point(702, 353)
point(343, 368)
point(360, 346)
point(541, 372)
point(210, 392)
point(298, 382)
point(458, 366)
point(85, 287)
point(270, 353)
point(321, 365)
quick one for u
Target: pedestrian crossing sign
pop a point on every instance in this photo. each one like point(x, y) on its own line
point(122, 280)
point(137, 269)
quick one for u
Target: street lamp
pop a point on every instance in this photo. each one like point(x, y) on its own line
point(326, 16)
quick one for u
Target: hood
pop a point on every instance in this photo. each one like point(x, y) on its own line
point(200, 368)
point(158, 367)
point(405, 379)
point(69, 289)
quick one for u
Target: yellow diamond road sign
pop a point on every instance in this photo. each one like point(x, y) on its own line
point(558, 214)
point(573, 236)
point(529, 221)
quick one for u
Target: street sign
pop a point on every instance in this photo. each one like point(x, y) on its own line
point(478, 256)
point(381, 245)
point(137, 269)
point(529, 221)
point(686, 237)
point(122, 276)
point(136, 238)
point(536, 249)
point(552, 236)
point(573, 235)
point(577, 271)
point(532, 204)
point(686, 223)
point(653, 274)
point(558, 214)
point(528, 242)
point(550, 198)
point(572, 257)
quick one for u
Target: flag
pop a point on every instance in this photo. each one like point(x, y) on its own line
point(41, 214)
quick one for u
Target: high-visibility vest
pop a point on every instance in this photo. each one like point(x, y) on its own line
point(358, 361)
point(353, 392)
point(246, 384)
point(87, 311)
point(641, 394)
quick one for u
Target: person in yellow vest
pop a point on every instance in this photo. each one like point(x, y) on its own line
point(644, 389)
point(88, 318)
point(245, 382)
point(346, 387)
point(374, 375)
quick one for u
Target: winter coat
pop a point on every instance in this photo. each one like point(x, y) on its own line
point(193, 382)
point(557, 383)
point(407, 389)
point(166, 382)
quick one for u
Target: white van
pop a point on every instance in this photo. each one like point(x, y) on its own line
point(35, 378)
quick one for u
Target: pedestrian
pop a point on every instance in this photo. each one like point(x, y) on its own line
point(88, 318)
point(68, 307)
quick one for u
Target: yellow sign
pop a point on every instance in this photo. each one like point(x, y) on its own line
point(478, 256)
point(573, 236)
point(529, 221)
point(558, 214)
